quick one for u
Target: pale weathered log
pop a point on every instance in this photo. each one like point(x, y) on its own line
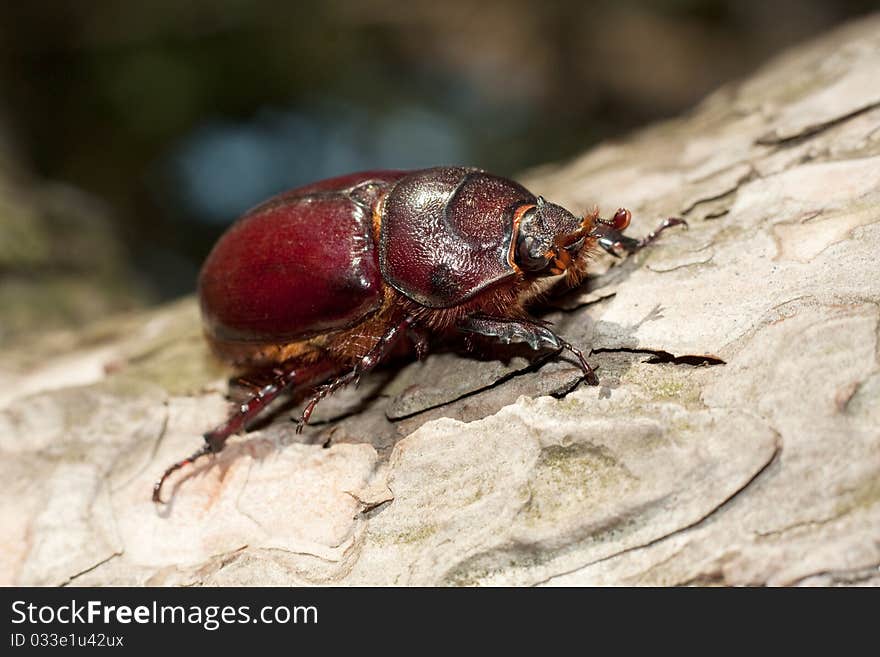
point(761, 466)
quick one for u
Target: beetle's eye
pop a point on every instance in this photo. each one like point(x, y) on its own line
point(531, 243)
point(530, 254)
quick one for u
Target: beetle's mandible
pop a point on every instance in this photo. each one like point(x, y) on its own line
point(319, 284)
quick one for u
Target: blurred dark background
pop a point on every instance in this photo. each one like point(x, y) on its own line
point(180, 115)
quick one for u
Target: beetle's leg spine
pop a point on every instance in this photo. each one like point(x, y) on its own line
point(215, 439)
point(531, 333)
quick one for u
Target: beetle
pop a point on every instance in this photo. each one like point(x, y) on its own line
point(321, 283)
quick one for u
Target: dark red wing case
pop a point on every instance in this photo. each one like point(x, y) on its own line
point(300, 264)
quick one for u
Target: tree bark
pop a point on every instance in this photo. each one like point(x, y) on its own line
point(734, 439)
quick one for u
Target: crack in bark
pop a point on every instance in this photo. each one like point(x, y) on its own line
point(533, 367)
point(809, 132)
point(751, 174)
point(800, 525)
point(151, 458)
point(710, 578)
point(579, 306)
point(244, 486)
point(658, 356)
point(85, 571)
point(845, 576)
point(367, 506)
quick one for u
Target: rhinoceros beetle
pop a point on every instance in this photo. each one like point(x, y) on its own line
point(319, 284)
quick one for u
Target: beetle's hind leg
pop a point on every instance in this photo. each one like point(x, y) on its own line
point(285, 377)
point(367, 362)
point(536, 336)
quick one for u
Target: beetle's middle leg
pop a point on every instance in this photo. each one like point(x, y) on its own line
point(536, 336)
point(366, 363)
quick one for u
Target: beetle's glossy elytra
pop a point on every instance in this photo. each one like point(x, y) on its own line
point(298, 265)
point(319, 284)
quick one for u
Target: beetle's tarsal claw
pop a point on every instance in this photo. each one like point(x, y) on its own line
point(608, 234)
point(669, 222)
point(589, 372)
point(157, 487)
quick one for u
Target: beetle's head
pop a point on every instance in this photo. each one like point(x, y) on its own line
point(549, 238)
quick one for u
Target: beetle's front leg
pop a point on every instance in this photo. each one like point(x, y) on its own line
point(609, 233)
point(367, 362)
point(536, 336)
